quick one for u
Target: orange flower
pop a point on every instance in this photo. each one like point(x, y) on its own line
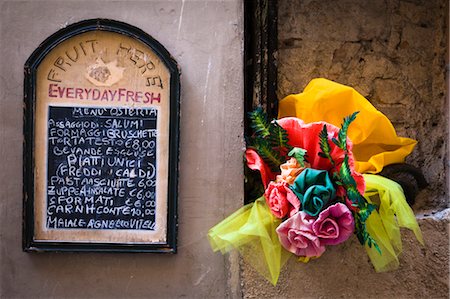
point(290, 170)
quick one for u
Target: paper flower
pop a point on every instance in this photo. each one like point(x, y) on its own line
point(297, 236)
point(307, 136)
point(314, 189)
point(334, 225)
point(255, 162)
point(290, 170)
point(327, 149)
point(281, 200)
point(309, 177)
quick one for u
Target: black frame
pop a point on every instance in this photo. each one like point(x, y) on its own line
point(31, 65)
point(260, 56)
point(260, 70)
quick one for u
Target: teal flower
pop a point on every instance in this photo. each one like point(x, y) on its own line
point(314, 189)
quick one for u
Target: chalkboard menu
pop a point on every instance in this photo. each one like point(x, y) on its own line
point(101, 141)
point(101, 168)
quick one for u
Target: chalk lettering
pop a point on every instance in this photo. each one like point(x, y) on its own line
point(101, 164)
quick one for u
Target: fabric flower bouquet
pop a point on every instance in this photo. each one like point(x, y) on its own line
point(314, 196)
point(310, 182)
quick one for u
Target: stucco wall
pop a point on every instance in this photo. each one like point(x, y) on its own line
point(394, 53)
point(206, 38)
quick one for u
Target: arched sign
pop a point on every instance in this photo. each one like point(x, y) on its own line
point(101, 130)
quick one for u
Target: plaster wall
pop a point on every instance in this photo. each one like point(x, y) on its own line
point(206, 38)
point(394, 53)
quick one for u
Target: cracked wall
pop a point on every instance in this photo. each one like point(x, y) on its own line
point(394, 53)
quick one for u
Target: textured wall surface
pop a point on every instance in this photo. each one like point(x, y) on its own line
point(345, 271)
point(206, 38)
point(394, 53)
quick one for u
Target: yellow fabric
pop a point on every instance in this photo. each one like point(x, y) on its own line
point(251, 230)
point(376, 143)
point(384, 225)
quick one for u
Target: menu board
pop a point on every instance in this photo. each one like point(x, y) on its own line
point(101, 168)
point(103, 109)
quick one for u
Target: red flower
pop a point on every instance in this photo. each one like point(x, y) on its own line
point(306, 136)
point(255, 162)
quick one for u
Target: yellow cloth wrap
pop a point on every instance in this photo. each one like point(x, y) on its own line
point(375, 141)
point(384, 225)
point(251, 230)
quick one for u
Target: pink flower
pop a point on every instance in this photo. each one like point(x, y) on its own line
point(297, 236)
point(334, 225)
point(290, 170)
point(281, 200)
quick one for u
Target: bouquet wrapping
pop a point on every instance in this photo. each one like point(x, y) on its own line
point(315, 193)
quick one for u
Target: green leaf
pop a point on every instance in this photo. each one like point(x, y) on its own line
point(355, 197)
point(345, 173)
point(371, 242)
point(259, 122)
point(341, 142)
point(324, 145)
point(361, 233)
point(364, 208)
point(366, 211)
point(299, 154)
point(270, 140)
point(278, 136)
point(322, 155)
point(267, 153)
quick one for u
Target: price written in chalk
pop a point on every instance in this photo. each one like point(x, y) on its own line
point(101, 168)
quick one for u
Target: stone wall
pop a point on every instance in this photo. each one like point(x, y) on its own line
point(394, 53)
